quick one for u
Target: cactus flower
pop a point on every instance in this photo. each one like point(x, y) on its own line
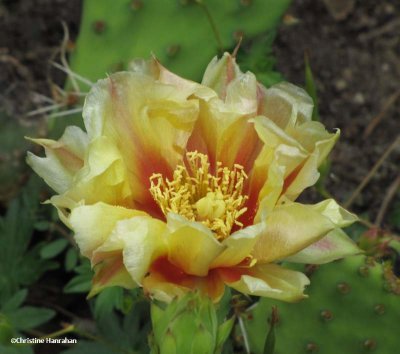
point(177, 186)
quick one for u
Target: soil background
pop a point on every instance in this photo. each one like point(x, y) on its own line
point(354, 53)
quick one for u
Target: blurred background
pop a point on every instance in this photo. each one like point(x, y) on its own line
point(346, 53)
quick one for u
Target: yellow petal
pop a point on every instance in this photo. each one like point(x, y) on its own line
point(238, 246)
point(191, 245)
point(141, 241)
point(289, 229)
point(63, 158)
point(333, 246)
point(103, 177)
point(93, 224)
point(273, 281)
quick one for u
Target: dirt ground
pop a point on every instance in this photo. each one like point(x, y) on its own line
point(355, 59)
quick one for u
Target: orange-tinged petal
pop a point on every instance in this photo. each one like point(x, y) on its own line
point(290, 228)
point(111, 272)
point(150, 121)
point(165, 281)
point(191, 246)
point(333, 246)
point(239, 245)
point(93, 224)
point(268, 280)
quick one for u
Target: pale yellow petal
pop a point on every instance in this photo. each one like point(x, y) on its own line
point(273, 281)
point(286, 104)
point(191, 245)
point(93, 224)
point(141, 241)
point(63, 158)
point(220, 72)
point(338, 215)
point(289, 229)
point(104, 176)
point(239, 245)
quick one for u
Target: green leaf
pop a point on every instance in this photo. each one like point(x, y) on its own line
point(16, 349)
point(311, 88)
point(42, 225)
point(20, 264)
point(30, 317)
point(79, 284)
point(223, 332)
point(108, 300)
point(71, 259)
point(53, 248)
point(15, 302)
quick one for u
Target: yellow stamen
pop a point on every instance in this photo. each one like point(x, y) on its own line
point(216, 200)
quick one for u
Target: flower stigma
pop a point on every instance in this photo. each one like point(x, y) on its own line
point(215, 200)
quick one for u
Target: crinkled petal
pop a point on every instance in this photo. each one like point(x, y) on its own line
point(220, 72)
point(333, 246)
point(290, 228)
point(141, 241)
point(238, 246)
point(93, 224)
point(268, 280)
point(103, 177)
point(63, 158)
point(191, 246)
point(338, 215)
point(286, 104)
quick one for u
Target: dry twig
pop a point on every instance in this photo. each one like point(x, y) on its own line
point(377, 119)
point(391, 192)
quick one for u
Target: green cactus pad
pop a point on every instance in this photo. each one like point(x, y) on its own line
point(178, 32)
point(349, 310)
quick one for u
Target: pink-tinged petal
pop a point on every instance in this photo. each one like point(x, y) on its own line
point(268, 280)
point(220, 73)
point(110, 271)
point(63, 158)
point(238, 246)
point(141, 241)
point(290, 228)
point(191, 246)
point(93, 224)
point(333, 246)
